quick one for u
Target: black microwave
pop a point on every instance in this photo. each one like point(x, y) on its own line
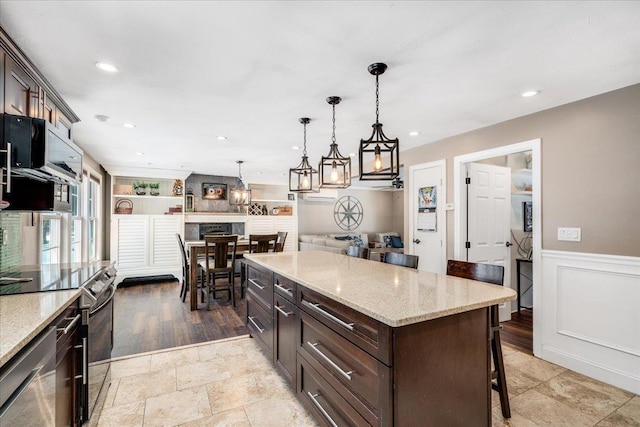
point(38, 150)
point(35, 195)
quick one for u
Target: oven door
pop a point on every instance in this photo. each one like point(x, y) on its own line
point(28, 385)
point(100, 331)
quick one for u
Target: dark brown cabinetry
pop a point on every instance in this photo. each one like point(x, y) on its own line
point(69, 367)
point(20, 91)
point(260, 307)
point(285, 317)
point(353, 370)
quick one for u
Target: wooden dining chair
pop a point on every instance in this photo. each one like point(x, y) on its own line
point(259, 243)
point(184, 289)
point(282, 237)
point(219, 261)
point(358, 252)
point(489, 273)
point(404, 260)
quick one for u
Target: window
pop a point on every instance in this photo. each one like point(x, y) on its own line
point(50, 241)
point(76, 225)
point(91, 193)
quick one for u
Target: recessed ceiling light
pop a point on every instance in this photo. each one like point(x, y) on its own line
point(129, 125)
point(101, 117)
point(529, 93)
point(414, 133)
point(139, 153)
point(259, 173)
point(107, 67)
point(149, 164)
point(221, 138)
point(295, 147)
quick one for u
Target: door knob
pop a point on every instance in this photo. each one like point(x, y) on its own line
point(509, 244)
point(416, 241)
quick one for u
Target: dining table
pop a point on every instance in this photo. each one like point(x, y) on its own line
point(196, 249)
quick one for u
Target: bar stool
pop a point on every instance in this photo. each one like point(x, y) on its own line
point(494, 274)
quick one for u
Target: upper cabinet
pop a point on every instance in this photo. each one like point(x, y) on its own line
point(20, 91)
point(24, 91)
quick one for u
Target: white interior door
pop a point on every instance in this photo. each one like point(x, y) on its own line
point(489, 220)
point(425, 242)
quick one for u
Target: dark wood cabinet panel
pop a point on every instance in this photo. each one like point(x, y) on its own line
point(63, 123)
point(2, 73)
point(260, 323)
point(20, 91)
point(358, 377)
point(260, 282)
point(367, 333)
point(284, 347)
point(285, 287)
point(68, 374)
point(327, 406)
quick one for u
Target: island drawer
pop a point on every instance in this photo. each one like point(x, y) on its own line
point(358, 377)
point(260, 282)
point(260, 324)
point(285, 287)
point(327, 406)
point(367, 333)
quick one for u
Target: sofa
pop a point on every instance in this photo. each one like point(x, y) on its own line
point(339, 242)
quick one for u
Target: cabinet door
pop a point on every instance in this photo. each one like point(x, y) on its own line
point(63, 123)
point(130, 235)
point(67, 388)
point(20, 91)
point(260, 225)
point(284, 352)
point(164, 247)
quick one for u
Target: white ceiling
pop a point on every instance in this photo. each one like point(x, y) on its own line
point(191, 71)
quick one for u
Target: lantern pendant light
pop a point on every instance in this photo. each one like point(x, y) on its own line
point(335, 170)
point(240, 196)
point(302, 176)
point(385, 163)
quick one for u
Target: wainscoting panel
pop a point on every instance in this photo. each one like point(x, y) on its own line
point(590, 315)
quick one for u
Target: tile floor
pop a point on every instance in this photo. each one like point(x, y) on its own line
point(230, 383)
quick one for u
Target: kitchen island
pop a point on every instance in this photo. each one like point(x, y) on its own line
point(362, 342)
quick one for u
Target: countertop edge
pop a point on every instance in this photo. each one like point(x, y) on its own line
point(4, 358)
point(389, 322)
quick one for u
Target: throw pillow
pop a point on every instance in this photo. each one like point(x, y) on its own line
point(358, 241)
point(396, 242)
point(387, 241)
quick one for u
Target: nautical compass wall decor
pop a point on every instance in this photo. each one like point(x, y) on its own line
point(347, 213)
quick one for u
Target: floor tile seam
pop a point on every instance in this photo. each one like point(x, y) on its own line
point(570, 407)
point(574, 407)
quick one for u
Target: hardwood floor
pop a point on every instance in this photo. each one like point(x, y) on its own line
point(519, 330)
point(150, 317)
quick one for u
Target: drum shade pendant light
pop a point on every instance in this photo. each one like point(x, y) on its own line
point(335, 170)
point(379, 156)
point(301, 177)
point(240, 195)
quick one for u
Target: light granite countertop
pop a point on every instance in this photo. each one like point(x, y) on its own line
point(396, 296)
point(23, 316)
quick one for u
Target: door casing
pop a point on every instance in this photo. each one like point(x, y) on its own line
point(459, 174)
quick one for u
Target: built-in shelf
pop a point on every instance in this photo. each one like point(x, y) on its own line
point(136, 196)
point(521, 193)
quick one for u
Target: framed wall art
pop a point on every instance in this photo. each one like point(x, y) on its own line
point(211, 191)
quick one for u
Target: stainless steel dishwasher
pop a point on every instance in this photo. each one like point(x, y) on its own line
point(28, 384)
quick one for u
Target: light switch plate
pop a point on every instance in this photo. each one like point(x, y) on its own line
point(570, 234)
point(449, 207)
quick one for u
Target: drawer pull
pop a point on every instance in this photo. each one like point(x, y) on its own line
point(320, 408)
point(70, 325)
point(255, 324)
point(284, 313)
point(316, 307)
point(347, 375)
point(282, 288)
point(257, 284)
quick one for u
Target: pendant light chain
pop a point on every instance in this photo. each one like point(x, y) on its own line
point(377, 100)
point(304, 150)
point(333, 135)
